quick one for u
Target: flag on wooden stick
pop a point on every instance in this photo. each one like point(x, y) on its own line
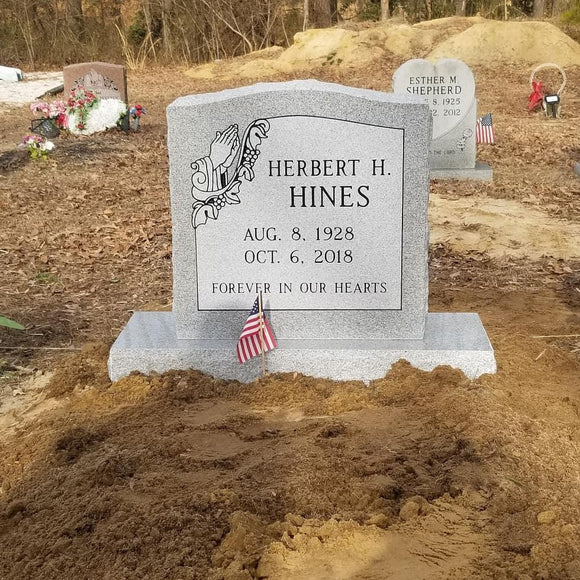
point(484, 132)
point(257, 336)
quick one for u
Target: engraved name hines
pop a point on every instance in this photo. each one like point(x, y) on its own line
point(307, 210)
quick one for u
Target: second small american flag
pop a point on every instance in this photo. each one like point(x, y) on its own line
point(484, 132)
point(250, 342)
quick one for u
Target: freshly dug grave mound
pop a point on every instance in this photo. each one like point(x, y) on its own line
point(185, 477)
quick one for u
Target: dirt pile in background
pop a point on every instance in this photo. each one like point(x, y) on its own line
point(493, 41)
point(473, 40)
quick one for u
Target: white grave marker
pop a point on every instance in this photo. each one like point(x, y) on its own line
point(448, 87)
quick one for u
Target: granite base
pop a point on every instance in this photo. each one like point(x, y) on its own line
point(481, 172)
point(148, 343)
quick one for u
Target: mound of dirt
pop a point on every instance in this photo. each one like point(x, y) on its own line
point(184, 477)
point(501, 227)
point(261, 63)
point(353, 48)
point(492, 41)
point(473, 40)
point(85, 369)
point(343, 550)
point(341, 47)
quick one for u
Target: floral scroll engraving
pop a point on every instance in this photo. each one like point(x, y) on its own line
point(103, 86)
point(213, 188)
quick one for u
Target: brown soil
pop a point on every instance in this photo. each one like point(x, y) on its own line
point(529, 42)
point(474, 40)
point(181, 476)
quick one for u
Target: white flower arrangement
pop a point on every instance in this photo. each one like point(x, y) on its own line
point(105, 115)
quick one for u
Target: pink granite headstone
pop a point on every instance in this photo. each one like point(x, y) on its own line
point(107, 81)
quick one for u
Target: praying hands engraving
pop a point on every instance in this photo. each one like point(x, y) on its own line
point(224, 147)
point(213, 186)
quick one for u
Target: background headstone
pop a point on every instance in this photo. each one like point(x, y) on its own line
point(316, 195)
point(448, 87)
point(107, 81)
point(10, 74)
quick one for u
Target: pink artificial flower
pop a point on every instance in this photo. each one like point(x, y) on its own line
point(40, 108)
point(28, 140)
point(56, 108)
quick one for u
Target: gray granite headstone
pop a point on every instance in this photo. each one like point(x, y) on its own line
point(315, 195)
point(448, 87)
point(314, 210)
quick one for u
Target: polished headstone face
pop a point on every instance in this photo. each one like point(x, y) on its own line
point(313, 194)
point(317, 226)
point(107, 81)
point(448, 87)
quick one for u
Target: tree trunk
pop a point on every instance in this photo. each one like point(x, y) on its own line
point(319, 13)
point(333, 11)
point(147, 13)
point(539, 6)
point(360, 6)
point(385, 10)
point(460, 7)
point(74, 17)
point(166, 8)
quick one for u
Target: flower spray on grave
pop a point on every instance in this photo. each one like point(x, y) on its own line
point(79, 105)
point(88, 114)
point(38, 146)
point(49, 119)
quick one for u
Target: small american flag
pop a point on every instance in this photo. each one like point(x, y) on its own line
point(484, 132)
point(250, 341)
